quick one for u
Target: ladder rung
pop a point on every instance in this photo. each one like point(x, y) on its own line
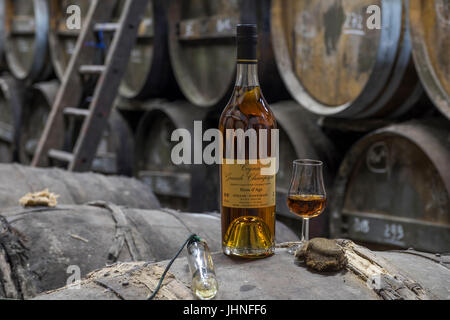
point(106, 27)
point(92, 69)
point(76, 112)
point(60, 155)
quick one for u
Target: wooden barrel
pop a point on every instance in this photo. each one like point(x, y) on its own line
point(11, 102)
point(300, 137)
point(73, 188)
point(393, 188)
point(203, 50)
point(35, 111)
point(26, 48)
point(148, 73)
point(2, 35)
point(274, 278)
point(335, 62)
point(89, 237)
point(114, 153)
point(62, 40)
point(430, 32)
point(154, 165)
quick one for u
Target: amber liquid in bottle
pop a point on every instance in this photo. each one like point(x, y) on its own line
point(248, 225)
point(306, 206)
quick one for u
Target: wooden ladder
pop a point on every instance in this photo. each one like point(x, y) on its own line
point(70, 94)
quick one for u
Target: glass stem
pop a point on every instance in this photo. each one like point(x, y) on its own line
point(305, 229)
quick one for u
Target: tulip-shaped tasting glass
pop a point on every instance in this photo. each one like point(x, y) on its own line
point(306, 196)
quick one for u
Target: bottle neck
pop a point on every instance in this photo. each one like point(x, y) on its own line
point(247, 75)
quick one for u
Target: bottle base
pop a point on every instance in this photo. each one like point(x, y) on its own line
point(248, 252)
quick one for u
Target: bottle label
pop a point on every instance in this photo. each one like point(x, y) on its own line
point(244, 185)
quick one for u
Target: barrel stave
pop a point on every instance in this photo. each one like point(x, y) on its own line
point(149, 72)
point(430, 31)
point(34, 116)
point(26, 48)
point(11, 104)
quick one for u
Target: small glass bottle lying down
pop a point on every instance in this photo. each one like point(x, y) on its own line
point(204, 283)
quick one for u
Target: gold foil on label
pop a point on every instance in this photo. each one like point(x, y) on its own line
point(246, 185)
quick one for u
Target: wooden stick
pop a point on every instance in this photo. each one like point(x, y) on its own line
point(384, 279)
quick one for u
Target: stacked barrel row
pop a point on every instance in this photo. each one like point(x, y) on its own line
point(354, 77)
point(333, 65)
point(34, 34)
point(328, 56)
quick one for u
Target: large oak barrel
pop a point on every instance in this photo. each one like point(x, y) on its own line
point(393, 188)
point(88, 237)
point(148, 73)
point(35, 111)
point(26, 47)
point(154, 165)
point(2, 35)
point(11, 101)
point(114, 153)
point(274, 278)
point(300, 137)
point(203, 51)
point(335, 62)
point(430, 32)
point(62, 41)
point(72, 188)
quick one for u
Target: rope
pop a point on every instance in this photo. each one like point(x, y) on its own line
point(193, 237)
point(100, 44)
point(123, 232)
